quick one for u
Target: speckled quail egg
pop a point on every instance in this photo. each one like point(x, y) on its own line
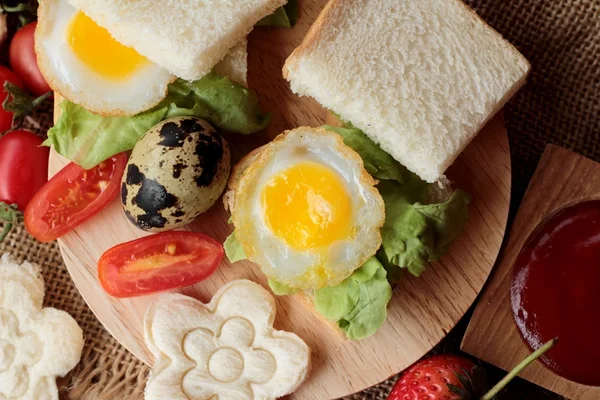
point(176, 172)
point(86, 65)
point(305, 209)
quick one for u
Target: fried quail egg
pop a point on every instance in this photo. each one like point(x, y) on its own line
point(81, 61)
point(306, 210)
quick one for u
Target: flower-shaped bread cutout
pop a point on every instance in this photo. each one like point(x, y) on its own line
point(227, 349)
point(36, 344)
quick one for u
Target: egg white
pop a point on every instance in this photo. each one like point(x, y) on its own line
point(278, 260)
point(75, 81)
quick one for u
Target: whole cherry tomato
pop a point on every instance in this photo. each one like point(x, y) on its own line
point(23, 60)
point(23, 167)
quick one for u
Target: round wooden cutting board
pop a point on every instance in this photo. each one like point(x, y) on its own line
point(422, 310)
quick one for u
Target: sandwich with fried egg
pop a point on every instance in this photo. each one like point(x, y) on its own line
point(123, 66)
point(331, 217)
point(412, 82)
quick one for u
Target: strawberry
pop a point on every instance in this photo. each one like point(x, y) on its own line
point(441, 377)
point(451, 377)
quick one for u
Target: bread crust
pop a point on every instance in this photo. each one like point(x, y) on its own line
point(495, 32)
point(314, 33)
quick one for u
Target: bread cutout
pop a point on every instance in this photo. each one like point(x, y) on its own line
point(36, 344)
point(225, 349)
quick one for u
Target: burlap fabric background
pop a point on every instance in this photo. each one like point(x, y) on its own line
point(560, 105)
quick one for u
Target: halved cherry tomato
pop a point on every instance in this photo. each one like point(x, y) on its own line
point(72, 196)
point(155, 263)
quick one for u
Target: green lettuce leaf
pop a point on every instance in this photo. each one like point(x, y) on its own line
point(222, 102)
point(446, 220)
point(394, 273)
point(377, 162)
point(88, 139)
point(416, 230)
point(414, 234)
point(359, 303)
point(280, 289)
point(284, 17)
point(234, 249)
point(334, 302)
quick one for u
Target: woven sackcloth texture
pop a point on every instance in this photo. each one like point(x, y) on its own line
point(560, 105)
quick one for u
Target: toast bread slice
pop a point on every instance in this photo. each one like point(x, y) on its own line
point(188, 38)
point(419, 77)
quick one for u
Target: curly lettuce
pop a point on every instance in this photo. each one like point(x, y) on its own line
point(88, 139)
point(377, 162)
point(359, 303)
point(417, 230)
point(414, 234)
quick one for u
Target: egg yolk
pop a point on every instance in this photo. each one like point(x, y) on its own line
point(307, 206)
point(97, 49)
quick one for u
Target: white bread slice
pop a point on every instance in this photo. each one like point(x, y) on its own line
point(38, 344)
point(419, 77)
point(187, 38)
point(235, 63)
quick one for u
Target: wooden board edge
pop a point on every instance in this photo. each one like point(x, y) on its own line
point(471, 341)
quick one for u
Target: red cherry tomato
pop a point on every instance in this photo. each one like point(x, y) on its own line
point(158, 262)
point(23, 167)
point(5, 116)
point(72, 196)
point(23, 60)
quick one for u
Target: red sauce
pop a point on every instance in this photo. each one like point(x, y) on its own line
point(555, 291)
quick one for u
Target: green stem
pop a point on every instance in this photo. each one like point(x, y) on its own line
point(39, 100)
point(15, 9)
point(522, 365)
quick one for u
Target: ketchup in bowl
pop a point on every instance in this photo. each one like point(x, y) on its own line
point(555, 291)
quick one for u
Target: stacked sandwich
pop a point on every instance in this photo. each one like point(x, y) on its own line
point(339, 213)
point(336, 213)
point(124, 66)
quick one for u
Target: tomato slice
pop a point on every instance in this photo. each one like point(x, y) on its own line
point(160, 262)
point(72, 196)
